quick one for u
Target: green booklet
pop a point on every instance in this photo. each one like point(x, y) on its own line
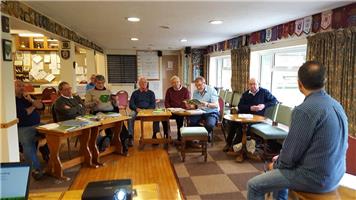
point(104, 98)
point(194, 101)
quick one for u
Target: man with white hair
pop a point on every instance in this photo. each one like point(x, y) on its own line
point(175, 97)
point(253, 101)
point(142, 98)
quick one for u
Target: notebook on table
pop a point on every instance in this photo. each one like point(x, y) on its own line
point(14, 181)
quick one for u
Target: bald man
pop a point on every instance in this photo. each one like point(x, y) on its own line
point(253, 101)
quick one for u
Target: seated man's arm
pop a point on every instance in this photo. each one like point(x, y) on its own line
point(270, 100)
point(214, 100)
point(297, 141)
point(132, 103)
point(167, 100)
point(152, 101)
point(243, 105)
point(63, 109)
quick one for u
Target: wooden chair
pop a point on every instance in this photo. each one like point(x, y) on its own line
point(122, 100)
point(191, 134)
point(49, 96)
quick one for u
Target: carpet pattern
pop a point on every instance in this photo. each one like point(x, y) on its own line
point(221, 177)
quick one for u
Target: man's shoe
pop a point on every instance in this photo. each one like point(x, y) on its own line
point(37, 174)
point(226, 148)
point(104, 144)
point(130, 143)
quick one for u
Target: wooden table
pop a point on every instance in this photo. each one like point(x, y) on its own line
point(54, 138)
point(144, 191)
point(150, 115)
point(185, 114)
point(245, 122)
point(115, 123)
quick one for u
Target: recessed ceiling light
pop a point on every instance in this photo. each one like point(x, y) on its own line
point(30, 35)
point(134, 39)
point(133, 19)
point(183, 40)
point(215, 22)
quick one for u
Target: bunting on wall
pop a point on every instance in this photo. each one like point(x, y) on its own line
point(333, 19)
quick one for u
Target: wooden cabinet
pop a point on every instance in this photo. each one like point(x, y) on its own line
point(36, 44)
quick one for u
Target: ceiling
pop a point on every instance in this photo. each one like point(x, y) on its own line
point(105, 24)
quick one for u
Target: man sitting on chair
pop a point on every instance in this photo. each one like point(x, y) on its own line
point(208, 98)
point(175, 97)
point(253, 101)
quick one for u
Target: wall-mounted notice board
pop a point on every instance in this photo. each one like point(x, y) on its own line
point(148, 65)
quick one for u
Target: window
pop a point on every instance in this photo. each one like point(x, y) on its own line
point(122, 68)
point(277, 70)
point(220, 72)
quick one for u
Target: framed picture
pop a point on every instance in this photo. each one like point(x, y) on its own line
point(5, 24)
point(6, 50)
point(66, 45)
point(65, 54)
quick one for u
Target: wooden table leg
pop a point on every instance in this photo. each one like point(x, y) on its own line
point(55, 167)
point(168, 135)
point(141, 143)
point(94, 132)
point(116, 141)
point(84, 147)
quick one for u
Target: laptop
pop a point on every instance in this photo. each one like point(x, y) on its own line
point(120, 189)
point(14, 181)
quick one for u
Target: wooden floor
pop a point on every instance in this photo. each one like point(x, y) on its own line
point(142, 166)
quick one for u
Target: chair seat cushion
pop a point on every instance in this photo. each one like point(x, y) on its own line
point(268, 132)
point(193, 131)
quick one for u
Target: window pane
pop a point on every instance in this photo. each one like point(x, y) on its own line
point(266, 70)
point(289, 59)
point(285, 88)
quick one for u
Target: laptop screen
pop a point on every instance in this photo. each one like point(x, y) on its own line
point(14, 179)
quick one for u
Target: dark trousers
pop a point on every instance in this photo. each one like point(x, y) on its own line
point(234, 130)
point(179, 121)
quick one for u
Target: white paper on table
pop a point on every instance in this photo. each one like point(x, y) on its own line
point(26, 59)
point(36, 58)
point(50, 77)
point(246, 116)
point(47, 59)
point(173, 110)
point(196, 112)
point(50, 126)
point(55, 71)
point(37, 66)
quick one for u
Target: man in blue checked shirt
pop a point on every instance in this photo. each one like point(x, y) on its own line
point(208, 98)
point(313, 155)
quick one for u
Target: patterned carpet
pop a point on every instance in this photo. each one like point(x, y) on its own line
point(221, 177)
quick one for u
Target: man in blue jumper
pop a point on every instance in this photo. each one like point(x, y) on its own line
point(313, 155)
point(143, 98)
point(253, 101)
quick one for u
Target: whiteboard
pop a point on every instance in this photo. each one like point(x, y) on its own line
point(148, 64)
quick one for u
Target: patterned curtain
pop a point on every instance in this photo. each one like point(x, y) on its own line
point(240, 69)
point(337, 51)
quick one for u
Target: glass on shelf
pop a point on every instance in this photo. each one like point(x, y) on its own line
point(38, 42)
point(24, 42)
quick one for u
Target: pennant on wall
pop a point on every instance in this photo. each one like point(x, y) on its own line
point(280, 31)
point(258, 37)
point(307, 24)
point(268, 34)
point(316, 23)
point(299, 27)
point(263, 36)
point(291, 28)
point(243, 40)
point(274, 33)
point(326, 19)
point(285, 30)
point(351, 15)
point(339, 18)
point(253, 38)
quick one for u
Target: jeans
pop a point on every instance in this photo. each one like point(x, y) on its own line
point(179, 121)
point(210, 120)
point(271, 181)
point(131, 124)
point(27, 138)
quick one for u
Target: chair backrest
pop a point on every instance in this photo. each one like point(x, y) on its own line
point(54, 116)
point(235, 99)
point(122, 99)
point(47, 92)
point(222, 93)
point(228, 97)
point(221, 108)
point(284, 114)
point(271, 112)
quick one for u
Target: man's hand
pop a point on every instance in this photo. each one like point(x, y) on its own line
point(274, 159)
point(254, 108)
point(203, 104)
point(66, 107)
point(28, 97)
point(260, 107)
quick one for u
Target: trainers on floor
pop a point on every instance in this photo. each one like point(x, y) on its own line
point(37, 174)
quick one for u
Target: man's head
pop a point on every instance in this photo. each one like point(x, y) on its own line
point(175, 82)
point(142, 83)
point(311, 76)
point(19, 88)
point(253, 85)
point(92, 78)
point(200, 83)
point(99, 82)
point(65, 89)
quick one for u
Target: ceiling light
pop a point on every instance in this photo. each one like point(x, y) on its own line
point(134, 39)
point(183, 40)
point(30, 35)
point(133, 19)
point(215, 22)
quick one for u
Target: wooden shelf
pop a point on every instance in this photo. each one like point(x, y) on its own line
point(30, 44)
